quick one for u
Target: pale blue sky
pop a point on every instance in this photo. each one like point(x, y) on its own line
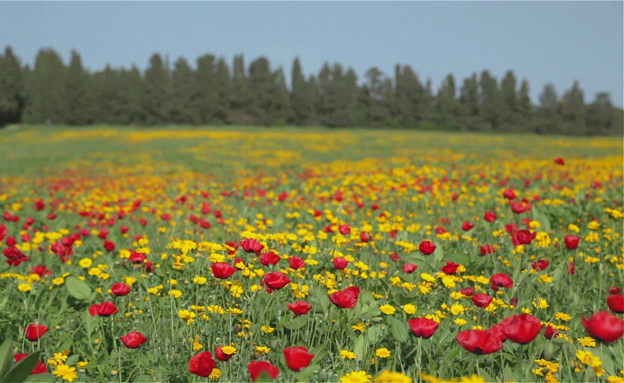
point(542, 41)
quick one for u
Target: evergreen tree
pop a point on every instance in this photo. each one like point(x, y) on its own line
point(509, 117)
point(240, 96)
point(183, 87)
point(548, 112)
point(156, 92)
point(130, 95)
point(491, 101)
point(573, 110)
point(301, 98)
point(469, 104)
point(45, 88)
point(205, 97)
point(223, 87)
point(262, 88)
point(76, 97)
point(524, 108)
point(446, 103)
point(600, 116)
point(282, 109)
point(106, 104)
point(376, 93)
point(12, 92)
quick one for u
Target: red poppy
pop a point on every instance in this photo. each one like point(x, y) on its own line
point(340, 263)
point(524, 237)
point(109, 245)
point(149, 266)
point(467, 226)
point(423, 327)
point(34, 332)
point(604, 326)
point(487, 249)
point(121, 289)
point(513, 302)
point(222, 356)
point(450, 268)
point(250, 245)
point(559, 161)
point(521, 328)
point(616, 303)
point(427, 247)
point(520, 207)
point(480, 342)
point(467, 291)
point(137, 258)
point(276, 280)
point(489, 216)
point(223, 270)
point(10, 241)
point(614, 290)
point(202, 364)
point(269, 258)
point(344, 229)
point(540, 265)
point(300, 307)
point(570, 268)
point(296, 263)
point(103, 309)
point(509, 194)
point(262, 369)
point(3, 231)
point(297, 358)
point(365, 237)
point(482, 300)
point(133, 339)
point(40, 270)
point(40, 368)
point(409, 268)
point(549, 332)
point(14, 256)
point(571, 241)
point(347, 298)
point(500, 280)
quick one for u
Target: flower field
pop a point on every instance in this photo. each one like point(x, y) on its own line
point(348, 256)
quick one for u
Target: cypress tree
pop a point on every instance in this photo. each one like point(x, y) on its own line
point(573, 110)
point(183, 87)
point(45, 88)
point(223, 88)
point(469, 104)
point(491, 101)
point(12, 92)
point(156, 92)
point(548, 111)
point(446, 103)
point(301, 98)
point(76, 96)
point(509, 113)
point(241, 96)
point(600, 117)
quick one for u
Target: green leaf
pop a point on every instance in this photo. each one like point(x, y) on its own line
point(22, 369)
point(294, 324)
point(358, 347)
point(398, 329)
point(5, 355)
point(40, 378)
point(77, 288)
point(438, 255)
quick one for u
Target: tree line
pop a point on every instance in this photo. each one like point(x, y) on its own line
point(214, 93)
